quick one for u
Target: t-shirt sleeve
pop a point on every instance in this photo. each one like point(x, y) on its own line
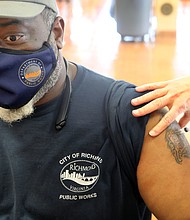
point(132, 128)
point(126, 131)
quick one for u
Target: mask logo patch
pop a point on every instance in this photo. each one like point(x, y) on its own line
point(32, 72)
point(80, 175)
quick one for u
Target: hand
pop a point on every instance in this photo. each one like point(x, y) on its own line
point(174, 94)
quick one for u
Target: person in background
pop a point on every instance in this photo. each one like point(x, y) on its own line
point(175, 94)
point(70, 147)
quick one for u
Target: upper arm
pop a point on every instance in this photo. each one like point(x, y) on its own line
point(163, 172)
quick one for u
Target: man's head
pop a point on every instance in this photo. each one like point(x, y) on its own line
point(26, 25)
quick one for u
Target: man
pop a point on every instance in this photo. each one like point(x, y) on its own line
point(70, 146)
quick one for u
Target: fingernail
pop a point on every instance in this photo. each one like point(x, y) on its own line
point(135, 112)
point(152, 133)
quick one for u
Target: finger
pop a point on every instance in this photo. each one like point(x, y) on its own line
point(151, 86)
point(150, 107)
point(164, 122)
point(185, 119)
point(149, 97)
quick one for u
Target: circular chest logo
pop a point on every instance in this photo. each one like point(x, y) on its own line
point(80, 175)
point(32, 72)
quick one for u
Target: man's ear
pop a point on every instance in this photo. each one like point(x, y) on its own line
point(58, 30)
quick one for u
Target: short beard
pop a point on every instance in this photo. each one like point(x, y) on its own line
point(12, 115)
point(16, 115)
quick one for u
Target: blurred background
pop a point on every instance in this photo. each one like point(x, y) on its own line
point(92, 38)
point(139, 41)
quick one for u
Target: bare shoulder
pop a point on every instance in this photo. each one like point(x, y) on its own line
point(164, 171)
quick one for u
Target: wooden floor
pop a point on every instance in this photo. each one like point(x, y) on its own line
point(91, 39)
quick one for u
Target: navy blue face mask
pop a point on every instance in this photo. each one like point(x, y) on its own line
point(23, 73)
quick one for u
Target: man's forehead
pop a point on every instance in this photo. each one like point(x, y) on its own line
point(5, 22)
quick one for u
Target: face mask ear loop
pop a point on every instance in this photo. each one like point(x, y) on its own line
point(51, 28)
point(50, 31)
point(48, 39)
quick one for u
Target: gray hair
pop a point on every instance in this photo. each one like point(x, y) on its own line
point(48, 17)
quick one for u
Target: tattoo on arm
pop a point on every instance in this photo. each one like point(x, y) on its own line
point(177, 143)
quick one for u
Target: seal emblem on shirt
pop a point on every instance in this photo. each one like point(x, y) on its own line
point(80, 175)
